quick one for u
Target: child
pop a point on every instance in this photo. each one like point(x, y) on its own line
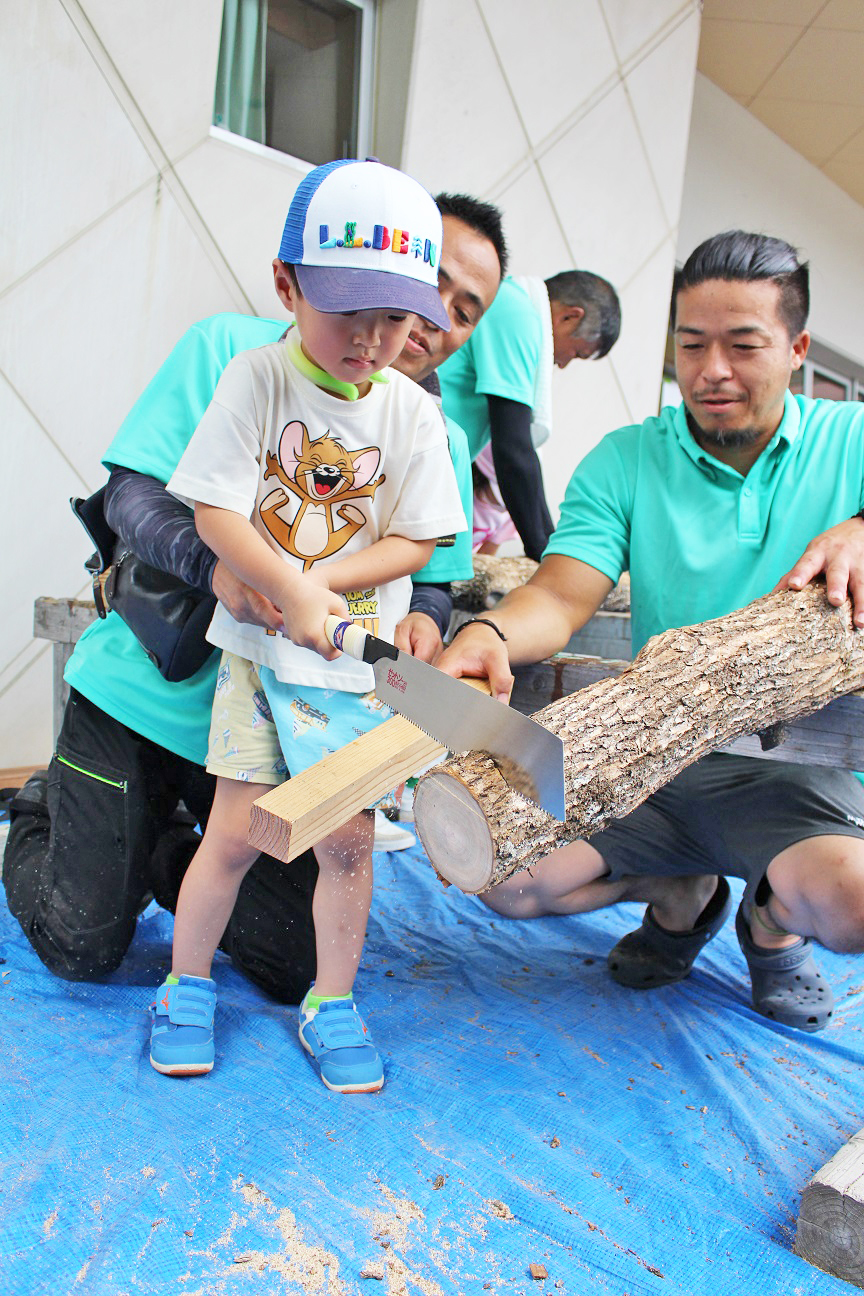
point(314, 475)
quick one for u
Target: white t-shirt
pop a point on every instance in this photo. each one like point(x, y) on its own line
point(320, 478)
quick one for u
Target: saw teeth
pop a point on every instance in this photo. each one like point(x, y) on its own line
point(519, 782)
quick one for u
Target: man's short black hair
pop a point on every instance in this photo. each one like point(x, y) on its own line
point(481, 216)
point(598, 299)
point(737, 255)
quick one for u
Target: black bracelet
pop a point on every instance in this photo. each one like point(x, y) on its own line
point(479, 621)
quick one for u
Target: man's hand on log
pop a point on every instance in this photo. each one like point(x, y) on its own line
point(838, 554)
point(477, 651)
point(418, 635)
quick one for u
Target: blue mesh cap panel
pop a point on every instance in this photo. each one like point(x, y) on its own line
point(291, 247)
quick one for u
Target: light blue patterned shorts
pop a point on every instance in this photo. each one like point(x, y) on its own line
point(262, 728)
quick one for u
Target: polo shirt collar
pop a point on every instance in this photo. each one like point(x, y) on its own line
point(783, 438)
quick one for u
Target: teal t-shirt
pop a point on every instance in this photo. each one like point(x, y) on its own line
point(698, 539)
point(454, 560)
point(108, 665)
point(500, 358)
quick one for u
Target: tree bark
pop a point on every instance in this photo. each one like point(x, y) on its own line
point(493, 578)
point(688, 692)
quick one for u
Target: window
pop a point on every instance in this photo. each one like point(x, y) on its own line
point(296, 75)
point(828, 375)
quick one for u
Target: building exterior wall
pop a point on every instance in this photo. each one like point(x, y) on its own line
point(124, 218)
point(740, 175)
point(576, 125)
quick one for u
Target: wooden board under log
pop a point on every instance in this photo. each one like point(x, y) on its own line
point(831, 1219)
point(689, 692)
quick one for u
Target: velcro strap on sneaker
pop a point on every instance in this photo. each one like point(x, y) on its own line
point(339, 1029)
point(190, 1005)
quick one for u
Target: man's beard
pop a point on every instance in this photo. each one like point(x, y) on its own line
point(731, 437)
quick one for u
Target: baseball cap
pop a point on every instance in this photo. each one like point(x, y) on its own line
point(362, 236)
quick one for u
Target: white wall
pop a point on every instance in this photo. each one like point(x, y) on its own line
point(123, 220)
point(740, 175)
point(574, 122)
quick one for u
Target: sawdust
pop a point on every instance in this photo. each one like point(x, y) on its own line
point(313, 1268)
point(50, 1222)
point(148, 1172)
point(390, 1229)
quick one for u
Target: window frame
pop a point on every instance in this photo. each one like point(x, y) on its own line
point(365, 100)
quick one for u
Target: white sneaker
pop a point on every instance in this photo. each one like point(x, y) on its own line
point(391, 836)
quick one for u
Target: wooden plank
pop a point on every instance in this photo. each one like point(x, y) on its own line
point(300, 813)
point(830, 1232)
point(833, 736)
point(62, 620)
point(607, 634)
point(18, 775)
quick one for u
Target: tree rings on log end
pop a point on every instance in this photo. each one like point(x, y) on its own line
point(454, 832)
point(831, 1232)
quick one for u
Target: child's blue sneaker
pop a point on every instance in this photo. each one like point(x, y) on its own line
point(336, 1036)
point(181, 1041)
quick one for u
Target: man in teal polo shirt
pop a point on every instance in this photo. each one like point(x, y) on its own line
point(88, 843)
point(708, 506)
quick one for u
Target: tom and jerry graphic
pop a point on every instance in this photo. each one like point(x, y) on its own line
point(323, 477)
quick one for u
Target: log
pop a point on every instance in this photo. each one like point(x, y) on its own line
point(493, 578)
point(833, 736)
point(830, 1230)
point(689, 692)
point(496, 576)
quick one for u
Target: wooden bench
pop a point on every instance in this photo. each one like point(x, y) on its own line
point(62, 622)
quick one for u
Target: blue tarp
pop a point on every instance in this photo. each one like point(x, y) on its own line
point(534, 1112)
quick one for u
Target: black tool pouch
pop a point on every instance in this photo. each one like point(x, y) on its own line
point(168, 617)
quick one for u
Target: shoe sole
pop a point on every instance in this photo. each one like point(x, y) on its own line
point(182, 1068)
point(374, 1087)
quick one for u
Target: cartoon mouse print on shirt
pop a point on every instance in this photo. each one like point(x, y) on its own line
point(324, 477)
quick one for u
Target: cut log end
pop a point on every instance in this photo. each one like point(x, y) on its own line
point(455, 832)
point(831, 1233)
point(831, 1221)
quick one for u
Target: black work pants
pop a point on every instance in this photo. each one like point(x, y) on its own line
point(88, 845)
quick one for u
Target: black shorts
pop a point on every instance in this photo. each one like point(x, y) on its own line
point(731, 815)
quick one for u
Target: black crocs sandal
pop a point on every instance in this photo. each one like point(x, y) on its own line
point(787, 985)
point(651, 956)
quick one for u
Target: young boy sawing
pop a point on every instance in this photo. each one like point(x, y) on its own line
point(322, 479)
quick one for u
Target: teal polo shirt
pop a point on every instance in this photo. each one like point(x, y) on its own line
point(698, 539)
point(500, 358)
point(454, 560)
point(108, 665)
